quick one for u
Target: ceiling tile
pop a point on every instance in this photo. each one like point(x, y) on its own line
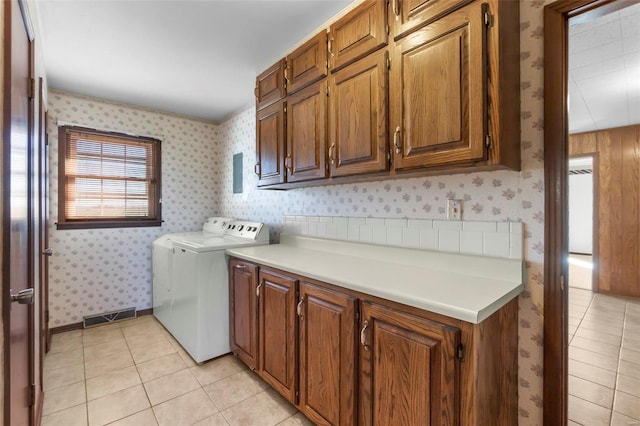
point(599, 68)
point(593, 56)
point(598, 36)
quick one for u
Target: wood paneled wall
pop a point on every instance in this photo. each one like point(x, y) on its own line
point(617, 206)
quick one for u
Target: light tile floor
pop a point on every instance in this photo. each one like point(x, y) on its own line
point(135, 373)
point(604, 359)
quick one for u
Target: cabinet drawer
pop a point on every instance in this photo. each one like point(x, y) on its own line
point(270, 85)
point(358, 33)
point(307, 64)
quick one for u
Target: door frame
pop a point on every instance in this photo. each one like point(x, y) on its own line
point(556, 155)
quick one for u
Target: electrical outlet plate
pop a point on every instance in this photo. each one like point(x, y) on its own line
point(454, 209)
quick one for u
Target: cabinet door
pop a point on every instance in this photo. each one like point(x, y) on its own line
point(409, 15)
point(270, 85)
point(270, 140)
point(358, 117)
point(438, 93)
point(306, 64)
point(306, 133)
point(277, 329)
point(358, 33)
point(327, 324)
point(409, 373)
point(243, 311)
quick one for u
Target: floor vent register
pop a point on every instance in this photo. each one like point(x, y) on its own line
point(109, 317)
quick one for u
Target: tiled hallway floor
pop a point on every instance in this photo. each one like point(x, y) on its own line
point(135, 373)
point(604, 359)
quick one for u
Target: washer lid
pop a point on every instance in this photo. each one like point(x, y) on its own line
point(213, 244)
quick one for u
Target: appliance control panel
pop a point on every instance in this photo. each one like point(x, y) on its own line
point(216, 225)
point(248, 230)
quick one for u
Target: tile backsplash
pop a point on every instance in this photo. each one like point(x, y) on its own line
point(496, 239)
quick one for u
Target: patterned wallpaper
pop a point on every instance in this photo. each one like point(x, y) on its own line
point(99, 270)
point(493, 196)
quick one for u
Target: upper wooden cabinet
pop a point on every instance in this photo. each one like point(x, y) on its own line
point(277, 363)
point(243, 313)
point(358, 117)
point(270, 144)
point(408, 15)
point(358, 33)
point(306, 64)
point(306, 133)
point(438, 92)
point(408, 369)
point(270, 85)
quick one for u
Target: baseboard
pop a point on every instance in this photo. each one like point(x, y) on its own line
point(78, 325)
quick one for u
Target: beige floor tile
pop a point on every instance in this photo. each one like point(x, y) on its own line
point(632, 344)
point(630, 355)
point(216, 369)
point(591, 392)
point(117, 405)
point(103, 327)
point(152, 351)
point(96, 336)
point(593, 358)
point(143, 418)
point(618, 419)
point(629, 369)
point(63, 376)
point(159, 367)
point(297, 420)
point(186, 358)
point(102, 350)
point(592, 373)
point(233, 389)
point(185, 410)
point(572, 330)
point(64, 344)
point(141, 328)
point(626, 404)
point(75, 416)
point(267, 408)
point(574, 322)
point(168, 387)
point(109, 383)
point(146, 339)
point(598, 336)
point(215, 420)
point(64, 397)
point(603, 328)
point(588, 413)
point(627, 384)
point(635, 335)
point(99, 366)
point(593, 346)
point(572, 423)
point(64, 359)
point(605, 318)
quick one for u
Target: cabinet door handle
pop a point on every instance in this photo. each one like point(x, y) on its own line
point(256, 169)
point(258, 290)
point(286, 74)
point(396, 140)
point(330, 45)
point(299, 309)
point(288, 163)
point(332, 153)
point(363, 336)
point(240, 266)
point(396, 8)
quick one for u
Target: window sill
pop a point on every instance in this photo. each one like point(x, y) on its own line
point(107, 224)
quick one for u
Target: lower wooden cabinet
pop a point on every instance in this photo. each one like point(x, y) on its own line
point(277, 329)
point(408, 366)
point(348, 358)
point(327, 325)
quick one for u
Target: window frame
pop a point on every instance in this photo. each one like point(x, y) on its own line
point(117, 222)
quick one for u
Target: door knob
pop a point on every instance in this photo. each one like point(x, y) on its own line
point(47, 252)
point(24, 297)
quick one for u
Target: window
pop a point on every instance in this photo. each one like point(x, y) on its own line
point(107, 180)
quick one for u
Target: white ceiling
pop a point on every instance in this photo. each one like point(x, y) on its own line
point(604, 72)
point(197, 58)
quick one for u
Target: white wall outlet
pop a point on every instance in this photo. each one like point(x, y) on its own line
point(454, 209)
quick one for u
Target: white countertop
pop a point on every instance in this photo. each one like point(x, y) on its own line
point(465, 287)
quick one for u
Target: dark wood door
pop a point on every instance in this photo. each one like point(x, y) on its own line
point(327, 324)
point(270, 85)
point(306, 133)
point(358, 33)
point(408, 369)
point(409, 15)
point(306, 64)
point(277, 329)
point(438, 93)
point(358, 102)
point(243, 313)
point(16, 253)
point(270, 144)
